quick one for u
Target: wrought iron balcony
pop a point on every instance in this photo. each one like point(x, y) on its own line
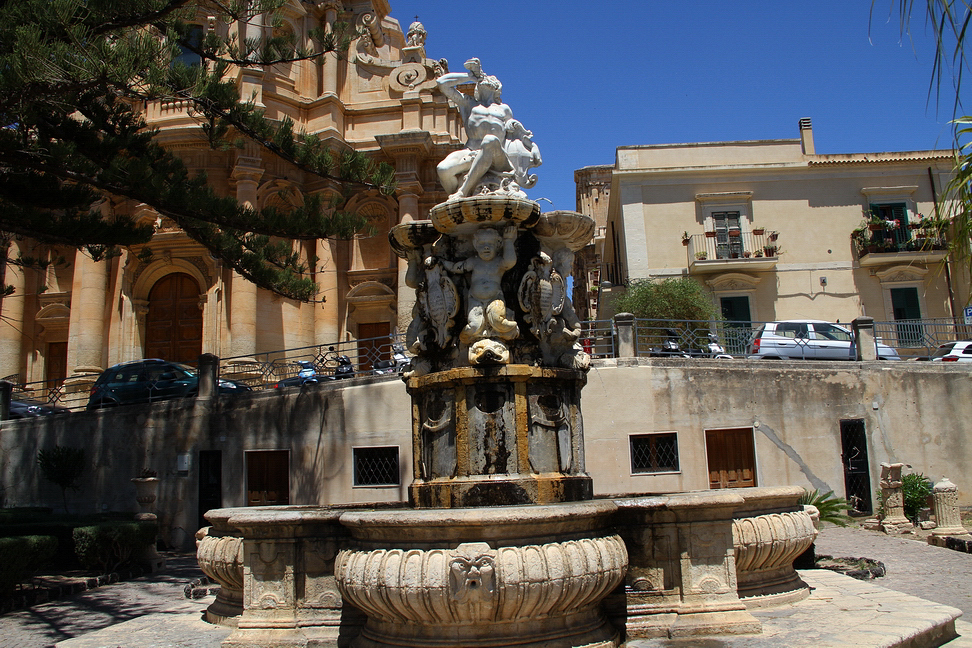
point(900, 245)
point(725, 253)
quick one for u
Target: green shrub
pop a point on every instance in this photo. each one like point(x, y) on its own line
point(832, 509)
point(670, 299)
point(106, 547)
point(22, 556)
point(916, 489)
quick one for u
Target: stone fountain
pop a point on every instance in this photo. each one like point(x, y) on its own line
point(502, 543)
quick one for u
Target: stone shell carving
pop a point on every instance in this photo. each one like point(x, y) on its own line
point(765, 548)
point(451, 586)
point(571, 229)
point(221, 559)
point(465, 216)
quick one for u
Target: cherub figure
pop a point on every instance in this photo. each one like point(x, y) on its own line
point(488, 316)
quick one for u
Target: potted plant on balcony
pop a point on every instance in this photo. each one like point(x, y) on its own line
point(734, 232)
point(916, 222)
point(758, 254)
point(771, 250)
point(685, 239)
point(759, 231)
point(774, 235)
point(701, 256)
point(710, 233)
point(747, 254)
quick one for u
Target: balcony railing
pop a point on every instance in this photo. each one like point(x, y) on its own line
point(898, 240)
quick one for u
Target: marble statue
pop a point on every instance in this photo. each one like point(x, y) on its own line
point(499, 151)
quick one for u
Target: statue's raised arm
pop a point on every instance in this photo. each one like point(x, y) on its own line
point(498, 149)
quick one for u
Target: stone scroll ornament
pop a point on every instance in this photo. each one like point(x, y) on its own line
point(489, 270)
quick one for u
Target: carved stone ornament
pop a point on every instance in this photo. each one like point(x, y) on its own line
point(765, 547)
point(458, 592)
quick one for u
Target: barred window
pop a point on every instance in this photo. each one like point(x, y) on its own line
point(651, 453)
point(376, 466)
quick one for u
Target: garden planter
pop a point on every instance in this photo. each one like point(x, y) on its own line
point(758, 231)
point(710, 234)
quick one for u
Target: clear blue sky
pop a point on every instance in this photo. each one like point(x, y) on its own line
point(587, 77)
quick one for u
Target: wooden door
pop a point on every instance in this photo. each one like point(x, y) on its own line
point(731, 458)
point(267, 477)
point(55, 364)
point(374, 343)
point(173, 327)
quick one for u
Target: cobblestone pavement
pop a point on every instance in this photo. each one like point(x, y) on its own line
point(914, 567)
point(46, 624)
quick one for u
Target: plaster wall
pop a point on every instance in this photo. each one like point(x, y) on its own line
point(916, 413)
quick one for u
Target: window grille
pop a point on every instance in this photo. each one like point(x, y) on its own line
point(376, 466)
point(651, 453)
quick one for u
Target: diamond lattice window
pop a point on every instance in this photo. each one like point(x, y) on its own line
point(651, 453)
point(376, 466)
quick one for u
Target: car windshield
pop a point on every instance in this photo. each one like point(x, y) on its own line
point(944, 350)
point(832, 332)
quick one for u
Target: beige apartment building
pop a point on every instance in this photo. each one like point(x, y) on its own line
point(77, 319)
point(776, 231)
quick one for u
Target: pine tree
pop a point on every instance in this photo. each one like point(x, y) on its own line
point(74, 76)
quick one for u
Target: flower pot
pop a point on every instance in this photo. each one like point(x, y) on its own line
point(758, 231)
point(875, 227)
point(774, 235)
point(710, 234)
point(685, 242)
point(769, 252)
point(734, 233)
point(914, 225)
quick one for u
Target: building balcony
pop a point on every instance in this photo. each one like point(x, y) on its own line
point(899, 246)
point(724, 253)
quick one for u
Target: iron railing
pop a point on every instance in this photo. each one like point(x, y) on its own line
point(266, 369)
point(919, 338)
point(912, 339)
point(744, 245)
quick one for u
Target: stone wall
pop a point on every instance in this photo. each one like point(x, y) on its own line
point(915, 413)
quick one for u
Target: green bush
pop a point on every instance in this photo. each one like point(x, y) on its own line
point(832, 509)
point(22, 556)
point(916, 489)
point(107, 547)
point(63, 466)
point(669, 299)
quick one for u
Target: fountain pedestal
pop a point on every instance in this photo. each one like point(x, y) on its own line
point(498, 435)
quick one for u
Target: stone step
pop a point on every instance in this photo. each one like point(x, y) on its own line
point(842, 612)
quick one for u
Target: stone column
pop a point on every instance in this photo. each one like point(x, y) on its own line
point(407, 149)
point(329, 63)
point(86, 335)
point(947, 515)
point(892, 495)
point(865, 343)
point(624, 323)
point(407, 212)
point(251, 77)
point(12, 320)
point(327, 326)
point(243, 295)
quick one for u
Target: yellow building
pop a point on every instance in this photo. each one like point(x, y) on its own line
point(81, 317)
point(776, 231)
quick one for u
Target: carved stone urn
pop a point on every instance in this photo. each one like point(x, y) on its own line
point(146, 492)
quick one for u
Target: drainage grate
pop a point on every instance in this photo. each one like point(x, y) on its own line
point(376, 466)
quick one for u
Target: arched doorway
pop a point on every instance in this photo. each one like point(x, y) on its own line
point(173, 326)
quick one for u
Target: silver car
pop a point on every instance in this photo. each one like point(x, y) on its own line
point(807, 340)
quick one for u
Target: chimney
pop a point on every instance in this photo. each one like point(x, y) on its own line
point(806, 136)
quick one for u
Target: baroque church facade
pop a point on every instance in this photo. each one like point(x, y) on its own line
point(74, 320)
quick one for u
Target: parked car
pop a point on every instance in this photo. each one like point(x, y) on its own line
point(146, 381)
point(26, 408)
point(807, 340)
point(960, 351)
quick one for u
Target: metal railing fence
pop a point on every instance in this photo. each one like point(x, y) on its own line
point(919, 338)
point(266, 369)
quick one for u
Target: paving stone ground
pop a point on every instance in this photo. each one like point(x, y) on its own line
point(152, 612)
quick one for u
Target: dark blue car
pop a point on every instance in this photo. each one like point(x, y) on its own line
point(147, 381)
